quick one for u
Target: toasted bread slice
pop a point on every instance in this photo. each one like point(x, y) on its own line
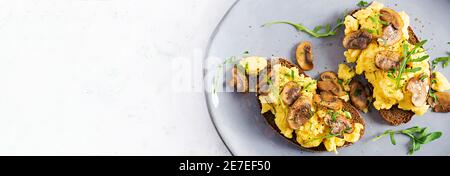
point(270, 118)
point(396, 116)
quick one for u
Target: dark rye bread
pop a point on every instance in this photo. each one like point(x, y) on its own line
point(395, 116)
point(270, 118)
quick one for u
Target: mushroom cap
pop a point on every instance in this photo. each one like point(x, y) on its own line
point(386, 60)
point(390, 36)
point(359, 95)
point(419, 90)
point(392, 17)
point(299, 113)
point(357, 40)
point(304, 55)
point(290, 93)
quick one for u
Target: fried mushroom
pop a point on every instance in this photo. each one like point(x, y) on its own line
point(331, 86)
point(387, 60)
point(338, 124)
point(441, 102)
point(392, 17)
point(304, 56)
point(357, 40)
point(419, 90)
point(328, 100)
point(290, 93)
point(299, 113)
point(359, 95)
point(390, 36)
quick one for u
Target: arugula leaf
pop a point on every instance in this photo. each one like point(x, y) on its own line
point(420, 59)
point(429, 137)
point(407, 58)
point(362, 4)
point(443, 60)
point(316, 31)
point(413, 70)
point(370, 31)
point(387, 132)
point(392, 139)
point(419, 136)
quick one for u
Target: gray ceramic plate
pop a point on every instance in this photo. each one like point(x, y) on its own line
point(236, 116)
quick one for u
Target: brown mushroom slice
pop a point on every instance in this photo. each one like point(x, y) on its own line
point(304, 56)
point(442, 103)
point(299, 113)
point(418, 90)
point(392, 17)
point(357, 40)
point(359, 95)
point(329, 76)
point(331, 86)
point(328, 100)
point(387, 60)
point(338, 124)
point(290, 93)
point(390, 36)
point(238, 80)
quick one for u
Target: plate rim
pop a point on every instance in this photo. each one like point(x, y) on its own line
point(205, 57)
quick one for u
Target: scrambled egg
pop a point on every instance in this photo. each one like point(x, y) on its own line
point(440, 83)
point(385, 93)
point(273, 102)
point(253, 64)
point(345, 73)
point(313, 132)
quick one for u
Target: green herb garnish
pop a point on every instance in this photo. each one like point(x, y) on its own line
point(433, 95)
point(407, 58)
point(413, 70)
point(362, 4)
point(419, 136)
point(318, 31)
point(443, 60)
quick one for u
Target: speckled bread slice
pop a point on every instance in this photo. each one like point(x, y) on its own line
point(270, 118)
point(396, 116)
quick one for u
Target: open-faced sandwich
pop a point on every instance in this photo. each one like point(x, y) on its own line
point(311, 118)
point(390, 56)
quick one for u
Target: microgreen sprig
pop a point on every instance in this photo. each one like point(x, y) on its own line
point(419, 136)
point(318, 31)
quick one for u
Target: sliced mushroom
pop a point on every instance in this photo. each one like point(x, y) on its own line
point(331, 86)
point(290, 93)
point(328, 100)
point(392, 17)
point(359, 96)
point(299, 113)
point(442, 102)
point(329, 76)
point(390, 36)
point(357, 40)
point(238, 80)
point(338, 124)
point(386, 60)
point(418, 90)
point(304, 56)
